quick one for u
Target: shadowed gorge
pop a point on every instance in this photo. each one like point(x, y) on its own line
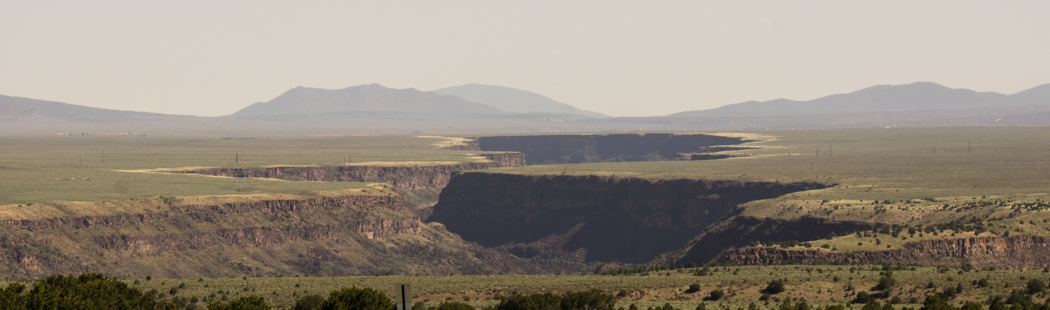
point(562, 149)
point(628, 220)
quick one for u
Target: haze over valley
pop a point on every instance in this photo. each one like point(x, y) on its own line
point(542, 155)
point(373, 108)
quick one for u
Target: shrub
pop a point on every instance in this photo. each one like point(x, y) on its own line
point(452, 305)
point(885, 283)
point(774, 287)
point(87, 291)
point(693, 288)
point(862, 298)
point(716, 295)
point(357, 298)
point(934, 302)
point(309, 302)
point(1036, 286)
point(588, 300)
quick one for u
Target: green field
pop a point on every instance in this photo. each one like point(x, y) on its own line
point(92, 168)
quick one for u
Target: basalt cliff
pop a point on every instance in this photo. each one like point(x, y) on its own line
point(322, 235)
point(408, 177)
point(629, 220)
point(1027, 252)
point(562, 149)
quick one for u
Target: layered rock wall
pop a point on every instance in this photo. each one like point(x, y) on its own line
point(401, 177)
point(353, 234)
point(623, 219)
point(561, 149)
point(1028, 252)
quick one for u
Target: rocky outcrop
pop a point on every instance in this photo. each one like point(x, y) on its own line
point(560, 149)
point(737, 231)
point(1028, 252)
point(467, 145)
point(401, 176)
point(316, 234)
point(623, 219)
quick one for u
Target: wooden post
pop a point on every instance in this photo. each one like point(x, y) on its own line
point(404, 297)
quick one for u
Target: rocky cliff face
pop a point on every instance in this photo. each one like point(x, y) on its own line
point(560, 149)
point(1027, 252)
point(352, 234)
point(738, 231)
point(401, 177)
point(612, 219)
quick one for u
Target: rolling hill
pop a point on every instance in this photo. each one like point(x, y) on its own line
point(364, 98)
point(921, 104)
point(922, 96)
point(513, 100)
point(18, 109)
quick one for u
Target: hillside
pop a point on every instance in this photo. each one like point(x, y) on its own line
point(364, 98)
point(912, 105)
point(33, 110)
point(513, 100)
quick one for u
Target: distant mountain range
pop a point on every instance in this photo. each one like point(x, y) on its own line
point(33, 110)
point(474, 108)
point(923, 96)
point(513, 100)
point(364, 98)
point(922, 104)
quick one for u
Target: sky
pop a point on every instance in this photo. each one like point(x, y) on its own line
point(621, 58)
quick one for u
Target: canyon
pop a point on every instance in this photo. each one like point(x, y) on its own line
point(439, 218)
point(353, 233)
point(628, 220)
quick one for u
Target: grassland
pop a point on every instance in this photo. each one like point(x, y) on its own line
point(36, 168)
point(997, 177)
point(821, 284)
point(885, 164)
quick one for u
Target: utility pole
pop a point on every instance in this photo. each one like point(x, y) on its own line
point(236, 158)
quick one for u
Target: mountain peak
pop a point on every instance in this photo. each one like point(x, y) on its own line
point(918, 96)
point(513, 100)
point(363, 98)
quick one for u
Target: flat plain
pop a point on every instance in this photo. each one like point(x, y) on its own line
point(35, 169)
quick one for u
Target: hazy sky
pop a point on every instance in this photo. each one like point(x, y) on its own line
point(618, 58)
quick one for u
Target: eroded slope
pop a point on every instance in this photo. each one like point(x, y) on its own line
point(328, 234)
